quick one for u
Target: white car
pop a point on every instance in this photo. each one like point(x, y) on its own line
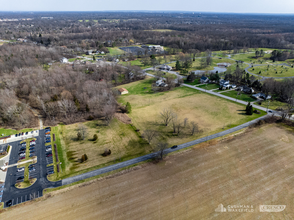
point(32, 143)
point(20, 169)
point(22, 155)
point(48, 149)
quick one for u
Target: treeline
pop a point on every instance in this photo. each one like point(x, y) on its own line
point(62, 93)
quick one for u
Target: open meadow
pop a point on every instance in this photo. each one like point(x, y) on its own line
point(254, 168)
point(273, 70)
point(211, 113)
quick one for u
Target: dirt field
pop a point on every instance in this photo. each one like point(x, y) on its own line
point(256, 168)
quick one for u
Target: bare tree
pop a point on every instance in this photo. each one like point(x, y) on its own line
point(185, 121)
point(167, 115)
point(82, 129)
point(179, 127)
point(175, 122)
point(194, 127)
point(160, 148)
point(150, 134)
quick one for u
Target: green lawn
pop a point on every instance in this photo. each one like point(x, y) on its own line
point(273, 104)
point(195, 82)
point(115, 51)
point(273, 70)
point(209, 86)
point(7, 132)
point(242, 96)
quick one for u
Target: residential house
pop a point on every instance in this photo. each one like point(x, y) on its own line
point(246, 89)
point(89, 52)
point(224, 84)
point(123, 91)
point(261, 96)
point(161, 83)
point(204, 79)
point(165, 67)
point(64, 60)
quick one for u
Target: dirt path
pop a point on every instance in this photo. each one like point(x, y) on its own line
point(254, 169)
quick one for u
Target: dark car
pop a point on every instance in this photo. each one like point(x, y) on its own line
point(270, 111)
point(32, 151)
point(20, 178)
point(48, 128)
point(31, 148)
point(27, 132)
point(49, 146)
point(31, 155)
point(175, 146)
point(49, 155)
point(50, 172)
point(16, 135)
point(23, 149)
point(48, 141)
point(50, 152)
point(21, 133)
point(9, 203)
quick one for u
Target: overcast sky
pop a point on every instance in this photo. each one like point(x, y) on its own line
point(237, 6)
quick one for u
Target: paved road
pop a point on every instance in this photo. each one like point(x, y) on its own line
point(36, 190)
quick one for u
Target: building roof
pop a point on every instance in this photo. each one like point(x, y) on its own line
point(122, 90)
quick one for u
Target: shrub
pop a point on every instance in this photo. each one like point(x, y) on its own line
point(79, 136)
point(95, 137)
point(90, 117)
point(128, 108)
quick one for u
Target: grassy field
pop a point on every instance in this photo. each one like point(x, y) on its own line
point(6, 132)
point(273, 104)
point(273, 70)
point(115, 51)
point(209, 86)
point(242, 96)
point(195, 82)
point(120, 138)
point(200, 107)
point(254, 168)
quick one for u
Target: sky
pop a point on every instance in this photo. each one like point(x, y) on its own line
point(225, 6)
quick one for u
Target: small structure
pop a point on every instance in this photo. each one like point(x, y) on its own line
point(165, 67)
point(64, 60)
point(204, 79)
point(246, 89)
point(123, 91)
point(223, 64)
point(160, 83)
point(89, 52)
point(261, 96)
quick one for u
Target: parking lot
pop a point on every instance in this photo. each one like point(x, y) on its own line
point(43, 151)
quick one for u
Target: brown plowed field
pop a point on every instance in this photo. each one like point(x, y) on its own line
point(254, 168)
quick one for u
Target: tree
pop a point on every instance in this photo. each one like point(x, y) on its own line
point(178, 65)
point(167, 115)
point(194, 127)
point(128, 107)
point(82, 130)
point(249, 109)
point(94, 58)
point(160, 148)
point(150, 134)
point(79, 136)
point(95, 137)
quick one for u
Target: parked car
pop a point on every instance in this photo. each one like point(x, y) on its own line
point(48, 149)
point(32, 169)
point(31, 165)
point(27, 133)
point(32, 141)
point(21, 158)
point(22, 148)
point(31, 155)
point(49, 146)
point(49, 155)
point(32, 132)
point(32, 144)
point(20, 178)
point(47, 128)
point(16, 135)
point(20, 169)
point(47, 132)
point(21, 133)
point(48, 141)
point(9, 203)
point(32, 151)
point(50, 172)
point(22, 155)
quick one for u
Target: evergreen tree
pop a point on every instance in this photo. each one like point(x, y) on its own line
point(178, 65)
point(128, 108)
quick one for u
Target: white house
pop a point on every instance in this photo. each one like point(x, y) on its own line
point(204, 79)
point(123, 91)
point(64, 60)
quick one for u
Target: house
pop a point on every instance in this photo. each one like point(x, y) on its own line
point(64, 60)
point(246, 89)
point(223, 64)
point(160, 83)
point(102, 52)
point(89, 52)
point(204, 79)
point(165, 67)
point(261, 96)
point(123, 91)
